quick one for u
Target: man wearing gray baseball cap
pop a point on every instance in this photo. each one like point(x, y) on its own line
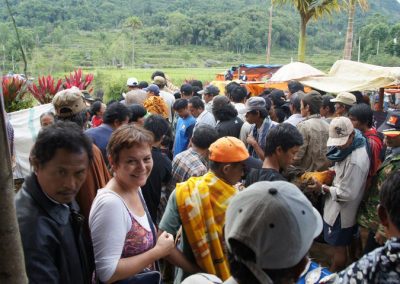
point(269, 229)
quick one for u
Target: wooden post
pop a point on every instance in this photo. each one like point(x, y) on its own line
point(381, 96)
point(12, 268)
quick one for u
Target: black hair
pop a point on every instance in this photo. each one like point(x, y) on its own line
point(229, 88)
point(60, 135)
point(268, 102)
point(116, 111)
point(158, 73)
point(196, 83)
point(157, 125)
point(180, 104)
point(49, 113)
point(177, 95)
point(282, 112)
point(326, 102)
point(363, 113)
point(285, 135)
point(95, 107)
point(196, 89)
point(238, 94)
point(295, 86)
point(111, 102)
point(312, 99)
point(390, 197)
point(143, 84)
point(196, 102)
point(263, 113)
point(204, 136)
point(224, 112)
point(137, 111)
point(186, 89)
point(277, 97)
point(359, 96)
point(79, 118)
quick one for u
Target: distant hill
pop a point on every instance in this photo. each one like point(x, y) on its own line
point(91, 32)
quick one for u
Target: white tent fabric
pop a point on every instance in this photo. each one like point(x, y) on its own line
point(295, 71)
point(26, 124)
point(348, 76)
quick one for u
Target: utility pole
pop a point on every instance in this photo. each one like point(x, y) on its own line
point(269, 33)
point(359, 49)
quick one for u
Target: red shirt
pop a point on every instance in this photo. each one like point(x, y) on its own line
point(96, 121)
point(375, 145)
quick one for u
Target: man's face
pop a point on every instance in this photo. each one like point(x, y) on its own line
point(195, 111)
point(183, 112)
point(392, 141)
point(251, 117)
point(46, 120)
point(62, 176)
point(348, 143)
point(233, 172)
point(285, 158)
point(323, 111)
point(340, 110)
point(355, 122)
point(208, 97)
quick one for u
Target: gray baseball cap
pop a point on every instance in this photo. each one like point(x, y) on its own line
point(276, 221)
point(255, 103)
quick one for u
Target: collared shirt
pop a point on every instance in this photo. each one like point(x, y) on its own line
point(188, 164)
point(295, 119)
point(312, 154)
point(205, 118)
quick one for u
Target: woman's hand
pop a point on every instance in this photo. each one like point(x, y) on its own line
point(165, 244)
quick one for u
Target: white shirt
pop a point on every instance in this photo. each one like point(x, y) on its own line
point(241, 109)
point(205, 118)
point(345, 194)
point(169, 100)
point(109, 222)
point(295, 119)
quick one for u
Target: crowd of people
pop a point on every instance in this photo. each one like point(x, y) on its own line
point(201, 185)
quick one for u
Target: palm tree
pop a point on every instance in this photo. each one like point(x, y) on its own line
point(351, 5)
point(134, 23)
point(309, 9)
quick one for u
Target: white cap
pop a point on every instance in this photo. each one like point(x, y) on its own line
point(132, 82)
point(340, 129)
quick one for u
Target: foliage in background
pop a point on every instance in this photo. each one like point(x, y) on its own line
point(15, 93)
point(45, 90)
point(59, 35)
point(77, 79)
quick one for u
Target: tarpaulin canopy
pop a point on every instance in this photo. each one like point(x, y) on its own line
point(26, 124)
point(348, 76)
point(295, 71)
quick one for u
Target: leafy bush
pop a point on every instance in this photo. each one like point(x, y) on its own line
point(15, 93)
point(46, 90)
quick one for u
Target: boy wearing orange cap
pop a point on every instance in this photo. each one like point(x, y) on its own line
point(199, 205)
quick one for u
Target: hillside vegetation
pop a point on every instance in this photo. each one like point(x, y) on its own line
point(59, 35)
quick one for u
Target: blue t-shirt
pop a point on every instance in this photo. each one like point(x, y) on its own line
point(183, 133)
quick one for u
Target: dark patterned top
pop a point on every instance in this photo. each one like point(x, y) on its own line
point(379, 266)
point(138, 240)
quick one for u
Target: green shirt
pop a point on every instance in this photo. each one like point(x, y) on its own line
point(171, 222)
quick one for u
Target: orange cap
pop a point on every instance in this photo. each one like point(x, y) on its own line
point(228, 150)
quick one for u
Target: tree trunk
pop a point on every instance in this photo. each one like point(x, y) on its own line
point(302, 39)
point(348, 47)
point(133, 50)
point(19, 40)
point(12, 268)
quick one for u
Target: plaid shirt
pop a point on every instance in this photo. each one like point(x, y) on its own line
point(188, 164)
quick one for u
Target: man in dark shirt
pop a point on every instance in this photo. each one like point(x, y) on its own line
point(282, 144)
point(51, 228)
point(162, 167)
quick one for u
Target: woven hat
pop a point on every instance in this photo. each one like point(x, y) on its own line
point(69, 102)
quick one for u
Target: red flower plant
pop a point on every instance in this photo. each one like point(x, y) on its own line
point(46, 90)
point(13, 91)
point(78, 81)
